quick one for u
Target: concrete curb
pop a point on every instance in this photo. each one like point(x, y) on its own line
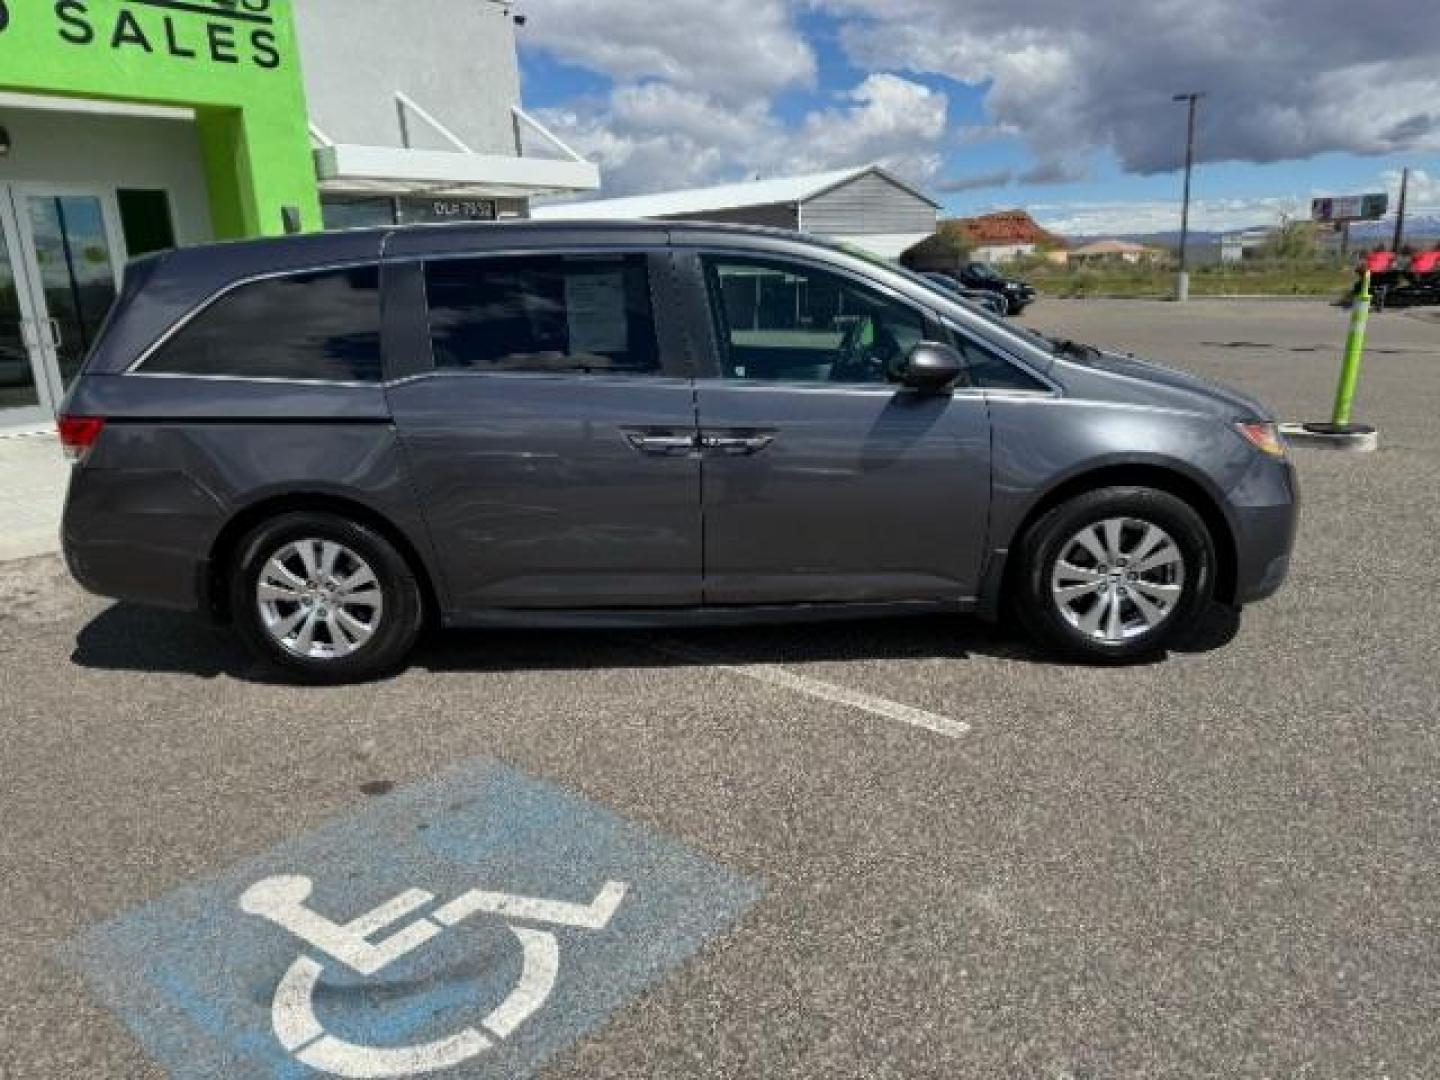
point(1363, 440)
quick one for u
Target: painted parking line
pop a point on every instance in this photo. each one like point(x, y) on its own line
point(775, 675)
point(470, 926)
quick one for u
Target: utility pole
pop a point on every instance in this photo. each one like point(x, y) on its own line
point(1182, 285)
point(1400, 212)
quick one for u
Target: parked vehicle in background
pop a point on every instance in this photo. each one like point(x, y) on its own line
point(329, 440)
point(991, 302)
point(1018, 295)
point(1415, 283)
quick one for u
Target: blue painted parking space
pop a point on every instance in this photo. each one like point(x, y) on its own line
point(469, 926)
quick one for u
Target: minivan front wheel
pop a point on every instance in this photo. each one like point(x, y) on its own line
point(325, 598)
point(1115, 574)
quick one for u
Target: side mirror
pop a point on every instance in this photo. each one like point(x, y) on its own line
point(932, 366)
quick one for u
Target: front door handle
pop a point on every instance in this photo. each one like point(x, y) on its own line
point(736, 443)
point(661, 442)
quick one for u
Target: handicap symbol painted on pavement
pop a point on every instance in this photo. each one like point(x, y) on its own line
point(470, 926)
point(282, 901)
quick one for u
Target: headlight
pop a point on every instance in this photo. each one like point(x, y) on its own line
point(1264, 436)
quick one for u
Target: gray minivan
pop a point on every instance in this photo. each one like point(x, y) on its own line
point(330, 440)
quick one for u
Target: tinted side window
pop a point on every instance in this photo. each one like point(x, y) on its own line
point(322, 325)
point(784, 321)
point(988, 371)
point(571, 313)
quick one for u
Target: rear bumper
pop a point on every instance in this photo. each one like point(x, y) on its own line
point(128, 572)
point(139, 535)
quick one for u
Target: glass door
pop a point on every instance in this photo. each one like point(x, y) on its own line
point(74, 251)
point(24, 388)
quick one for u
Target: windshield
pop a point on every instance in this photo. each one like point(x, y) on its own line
point(983, 271)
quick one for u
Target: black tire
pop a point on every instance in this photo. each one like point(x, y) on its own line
point(1050, 537)
point(399, 619)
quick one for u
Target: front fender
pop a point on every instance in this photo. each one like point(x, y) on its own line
point(1042, 444)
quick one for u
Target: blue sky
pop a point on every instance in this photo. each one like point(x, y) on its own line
point(967, 99)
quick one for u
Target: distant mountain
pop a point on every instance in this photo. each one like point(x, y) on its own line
point(1170, 238)
point(1419, 227)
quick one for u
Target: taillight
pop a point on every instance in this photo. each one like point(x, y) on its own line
point(78, 435)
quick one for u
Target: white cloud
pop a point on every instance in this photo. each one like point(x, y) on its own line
point(1163, 215)
point(729, 51)
point(1096, 218)
point(693, 84)
point(885, 118)
point(972, 134)
point(1284, 79)
point(1423, 192)
point(953, 185)
point(655, 136)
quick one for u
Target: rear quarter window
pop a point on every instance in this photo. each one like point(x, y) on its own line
point(320, 325)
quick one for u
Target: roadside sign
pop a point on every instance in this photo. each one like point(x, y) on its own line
point(471, 926)
point(1341, 208)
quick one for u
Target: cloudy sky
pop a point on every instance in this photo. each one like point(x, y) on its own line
point(1059, 106)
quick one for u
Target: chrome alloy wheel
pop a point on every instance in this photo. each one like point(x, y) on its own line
point(1117, 580)
point(318, 599)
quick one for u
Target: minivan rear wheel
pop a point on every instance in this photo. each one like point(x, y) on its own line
point(327, 599)
point(1115, 574)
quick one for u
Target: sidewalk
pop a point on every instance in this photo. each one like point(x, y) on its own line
point(33, 475)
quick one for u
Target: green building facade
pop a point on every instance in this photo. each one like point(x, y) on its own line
point(133, 126)
point(126, 127)
point(236, 64)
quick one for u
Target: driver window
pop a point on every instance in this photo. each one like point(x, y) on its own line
point(780, 321)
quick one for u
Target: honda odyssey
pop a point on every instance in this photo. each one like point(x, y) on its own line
point(330, 440)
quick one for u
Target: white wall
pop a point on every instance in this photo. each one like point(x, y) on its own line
point(999, 253)
point(455, 58)
point(111, 152)
point(868, 204)
point(884, 245)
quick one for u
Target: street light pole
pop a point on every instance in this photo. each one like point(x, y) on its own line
point(1400, 212)
point(1182, 285)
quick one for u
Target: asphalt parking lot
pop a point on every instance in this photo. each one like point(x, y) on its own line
point(881, 849)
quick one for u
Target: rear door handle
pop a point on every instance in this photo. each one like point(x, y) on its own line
point(736, 443)
point(661, 442)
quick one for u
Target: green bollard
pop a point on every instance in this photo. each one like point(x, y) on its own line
point(1354, 352)
point(1340, 433)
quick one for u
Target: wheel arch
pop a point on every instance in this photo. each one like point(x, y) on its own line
point(225, 547)
point(1165, 477)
